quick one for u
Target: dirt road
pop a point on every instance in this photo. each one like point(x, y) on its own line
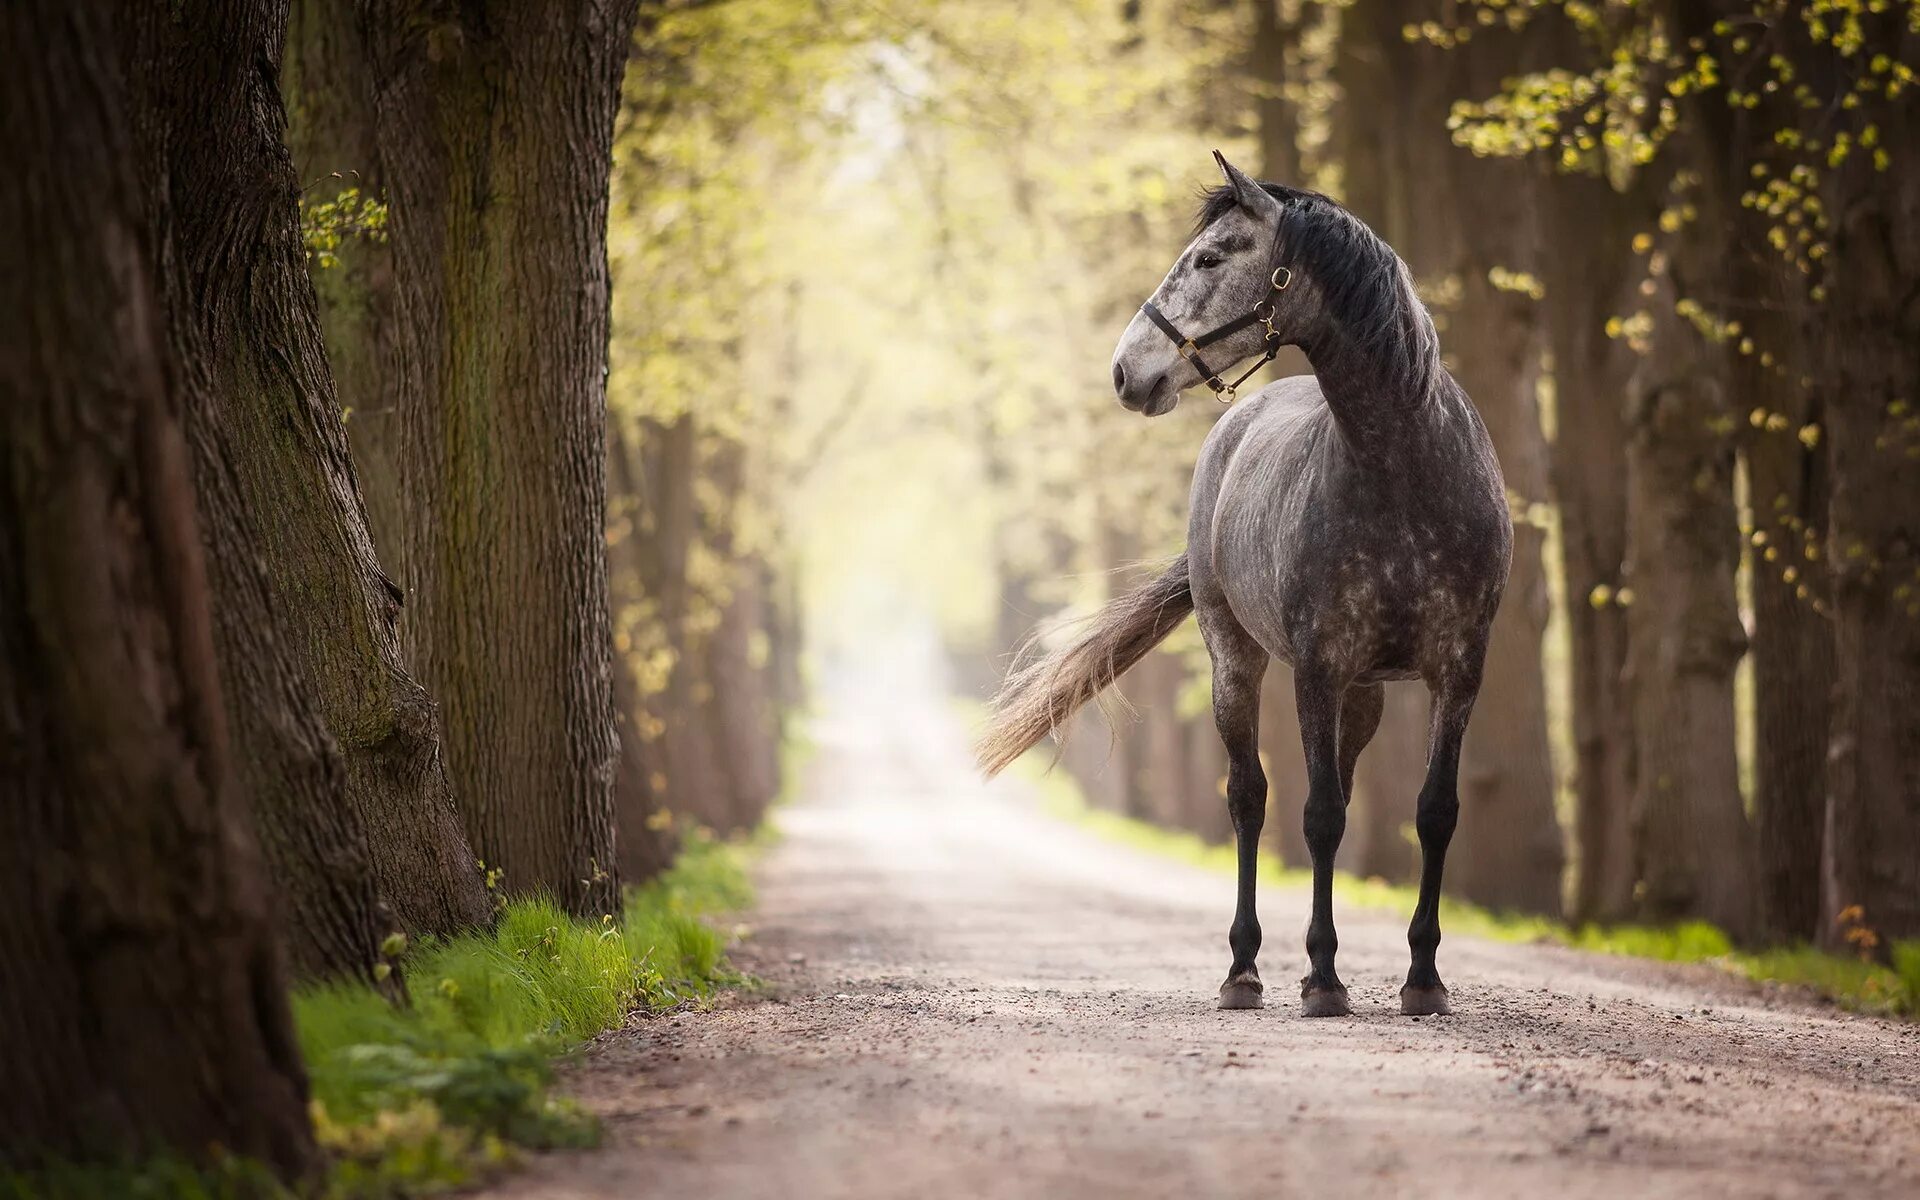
point(971, 999)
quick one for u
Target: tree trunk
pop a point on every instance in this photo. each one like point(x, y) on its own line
point(1285, 762)
point(142, 989)
point(1792, 640)
point(1510, 853)
point(1388, 775)
point(1588, 278)
point(1386, 782)
point(1205, 783)
point(336, 743)
point(331, 133)
point(495, 124)
point(1277, 121)
point(1692, 841)
point(1871, 360)
point(644, 841)
point(740, 710)
point(693, 783)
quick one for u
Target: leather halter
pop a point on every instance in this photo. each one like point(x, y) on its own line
point(1262, 313)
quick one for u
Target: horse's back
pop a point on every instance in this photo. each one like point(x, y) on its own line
point(1371, 569)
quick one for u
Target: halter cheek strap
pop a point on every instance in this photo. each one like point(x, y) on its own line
point(1261, 314)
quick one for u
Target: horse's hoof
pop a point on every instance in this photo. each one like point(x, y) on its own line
point(1324, 1002)
point(1242, 991)
point(1424, 1001)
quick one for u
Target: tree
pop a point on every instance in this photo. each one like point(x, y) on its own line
point(1864, 366)
point(144, 988)
point(1475, 272)
point(336, 741)
point(331, 134)
point(494, 125)
point(1587, 279)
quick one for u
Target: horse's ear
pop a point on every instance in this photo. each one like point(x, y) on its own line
point(1248, 194)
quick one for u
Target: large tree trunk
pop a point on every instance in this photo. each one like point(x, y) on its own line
point(425, 865)
point(1871, 362)
point(1510, 854)
point(336, 744)
point(741, 707)
point(1692, 842)
point(142, 990)
point(1386, 782)
point(644, 842)
point(1274, 50)
point(1388, 774)
point(331, 132)
point(692, 778)
point(1588, 278)
point(495, 124)
point(1792, 639)
point(1285, 762)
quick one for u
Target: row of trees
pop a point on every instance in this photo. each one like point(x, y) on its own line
point(306, 536)
point(1670, 248)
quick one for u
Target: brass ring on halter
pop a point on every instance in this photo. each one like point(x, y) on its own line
point(1280, 284)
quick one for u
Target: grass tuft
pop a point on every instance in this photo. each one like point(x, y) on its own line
point(435, 1094)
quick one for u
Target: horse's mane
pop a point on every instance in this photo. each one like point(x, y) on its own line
point(1367, 290)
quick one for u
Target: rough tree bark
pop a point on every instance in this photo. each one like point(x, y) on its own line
point(1870, 359)
point(336, 743)
point(331, 133)
point(495, 125)
point(142, 988)
point(425, 865)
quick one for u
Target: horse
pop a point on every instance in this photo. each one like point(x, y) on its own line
point(1352, 523)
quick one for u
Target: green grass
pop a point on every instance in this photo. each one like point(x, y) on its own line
point(435, 1095)
point(1851, 983)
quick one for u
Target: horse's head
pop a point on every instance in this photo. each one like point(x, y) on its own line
point(1230, 296)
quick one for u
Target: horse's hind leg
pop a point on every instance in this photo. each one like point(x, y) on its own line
point(1320, 701)
point(1238, 665)
point(1434, 819)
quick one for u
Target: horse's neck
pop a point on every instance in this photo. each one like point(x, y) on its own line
point(1376, 388)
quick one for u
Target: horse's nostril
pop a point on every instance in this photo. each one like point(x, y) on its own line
point(1119, 378)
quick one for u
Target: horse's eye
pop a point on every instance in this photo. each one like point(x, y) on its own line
point(1207, 262)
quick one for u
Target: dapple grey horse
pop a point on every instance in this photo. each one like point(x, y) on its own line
point(1352, 524)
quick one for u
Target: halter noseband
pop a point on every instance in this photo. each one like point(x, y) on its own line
point(1261, 314)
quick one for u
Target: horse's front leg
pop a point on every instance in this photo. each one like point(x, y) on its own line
point(1318, 696)
point(1434, 819)
point(1238, 665)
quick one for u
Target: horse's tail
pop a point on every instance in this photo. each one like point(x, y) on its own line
point(1038, 699)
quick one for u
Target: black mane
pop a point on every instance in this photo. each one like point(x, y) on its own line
point(1365, 287)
